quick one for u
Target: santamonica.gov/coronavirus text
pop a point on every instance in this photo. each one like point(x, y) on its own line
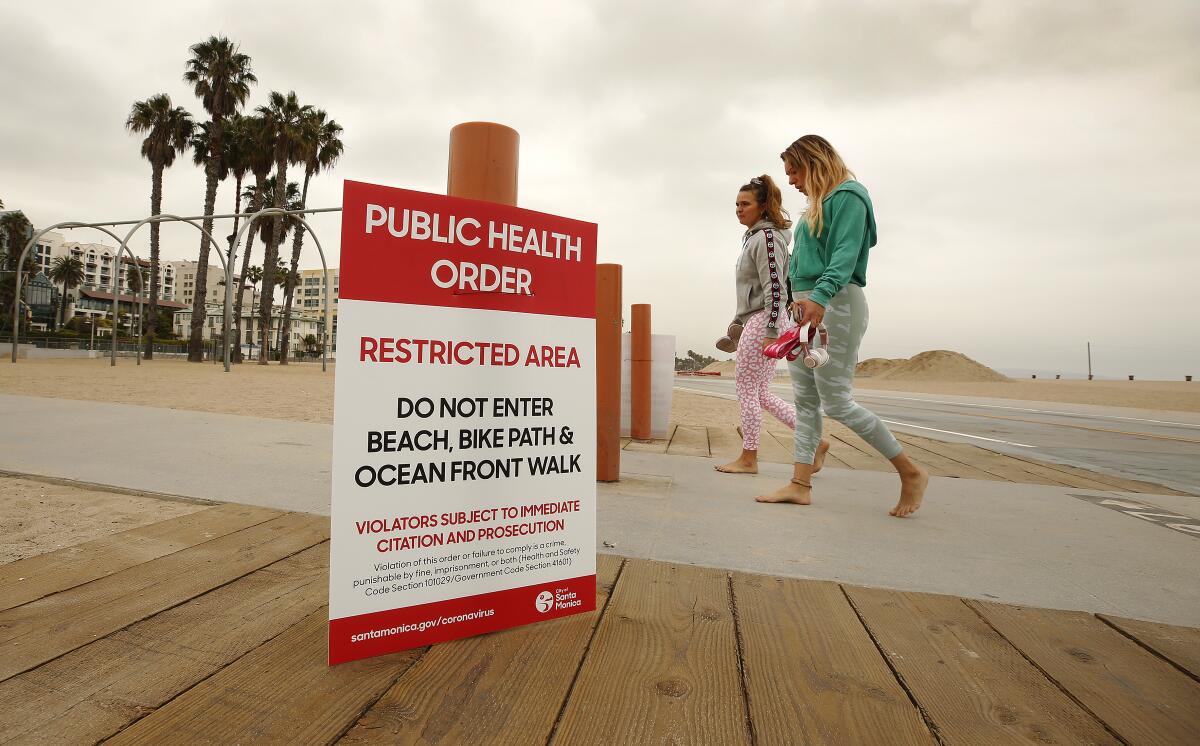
point(422, 625)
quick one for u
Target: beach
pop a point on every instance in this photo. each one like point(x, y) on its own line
point(303, 393)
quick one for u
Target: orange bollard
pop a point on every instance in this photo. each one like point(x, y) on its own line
point(639, 374)
point(483, 162)
point(608, 372)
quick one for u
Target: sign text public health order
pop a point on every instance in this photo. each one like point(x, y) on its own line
point(464, 431)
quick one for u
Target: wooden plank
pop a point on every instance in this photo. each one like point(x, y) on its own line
point(1114, 482)
point(689, 440)
point(1067, 478)
point(876, 461)
point(51, 626)
point(970, 682)
point(28, 579)
point(724, 443)
point(940, 466)
point(773, 451)
point(663, 667)
point(786, 441)
point(981, 458)
point(651, 446)
point(1141, 697)
point(1179, 645)
point(813, 675)
point(95, 691)
point(503, 688)
point(855, 458)
point(281, 692)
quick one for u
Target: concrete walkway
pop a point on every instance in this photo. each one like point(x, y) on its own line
point(1044, 546)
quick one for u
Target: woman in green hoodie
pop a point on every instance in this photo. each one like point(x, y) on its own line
point(827, 274)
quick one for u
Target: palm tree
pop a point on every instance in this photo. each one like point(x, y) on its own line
point(133, 279)
point(266, 230)
point(284, 119)
point(15, 230)
point(68, 272)
point(287, 279)
point(291, 201)
point(237, 151)
point(168, 129)
point(134, 283)
point(221, 77)
point(252, 275)
point(319, 151)
point(260, 157)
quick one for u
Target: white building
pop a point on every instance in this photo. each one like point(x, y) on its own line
point(185, 275)
point(310, 296)
point(303, 324)
point(98, 265)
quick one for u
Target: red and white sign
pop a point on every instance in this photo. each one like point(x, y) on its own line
point(464, 494)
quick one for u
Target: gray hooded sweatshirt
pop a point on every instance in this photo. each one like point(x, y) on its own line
point(761, 276)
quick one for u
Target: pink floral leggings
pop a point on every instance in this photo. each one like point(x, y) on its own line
point(754, 373)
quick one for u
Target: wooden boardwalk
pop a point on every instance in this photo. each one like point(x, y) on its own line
point(848, 451)
point(211, 628)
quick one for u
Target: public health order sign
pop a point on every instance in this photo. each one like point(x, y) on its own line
point(464, 493)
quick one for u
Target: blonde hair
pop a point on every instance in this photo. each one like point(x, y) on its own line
point(770, 199)
point(823, 170)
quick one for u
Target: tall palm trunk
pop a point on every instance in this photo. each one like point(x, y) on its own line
point(290, 290)
point(232, 255)
point(272, 258)
point(255, 206)
point(155, 209)
point(62, 306)
point(200, 299)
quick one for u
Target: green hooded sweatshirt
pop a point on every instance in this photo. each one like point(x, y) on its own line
point(826, 263)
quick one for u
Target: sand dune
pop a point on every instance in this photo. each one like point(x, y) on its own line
point(876, 366)
point(934, 365)
point(723, 367)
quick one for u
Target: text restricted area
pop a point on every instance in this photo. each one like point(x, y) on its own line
point(464, 431)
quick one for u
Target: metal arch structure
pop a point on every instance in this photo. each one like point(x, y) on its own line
point(224, 260)
point(116, 272)
point(268, 211)
point(166, 217)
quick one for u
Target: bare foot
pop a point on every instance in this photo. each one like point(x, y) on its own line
point(912, 491)
point(819, 459)
point(738, 466)
point(792, 492)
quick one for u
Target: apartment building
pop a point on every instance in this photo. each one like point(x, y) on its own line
point(310, 297)
point(302, 325)
point(185, 274)
point(99, 265)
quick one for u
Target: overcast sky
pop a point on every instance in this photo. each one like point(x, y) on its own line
point(1033, 164)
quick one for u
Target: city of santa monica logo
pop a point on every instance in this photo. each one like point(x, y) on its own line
point(544, 601)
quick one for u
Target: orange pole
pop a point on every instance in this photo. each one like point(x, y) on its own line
point(608, 372)
point(483, 162)
point(639, 374)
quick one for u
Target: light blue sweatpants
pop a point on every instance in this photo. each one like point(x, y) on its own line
point(831, 387)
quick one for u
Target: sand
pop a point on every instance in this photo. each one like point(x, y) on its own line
point(283, 392)
point(723, 367)
point(1171, 396)
point(933, 365)
point(38, 517)
point(302, 392)
point(875, 366)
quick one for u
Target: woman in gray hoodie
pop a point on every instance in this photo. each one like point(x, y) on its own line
point(761, 313)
